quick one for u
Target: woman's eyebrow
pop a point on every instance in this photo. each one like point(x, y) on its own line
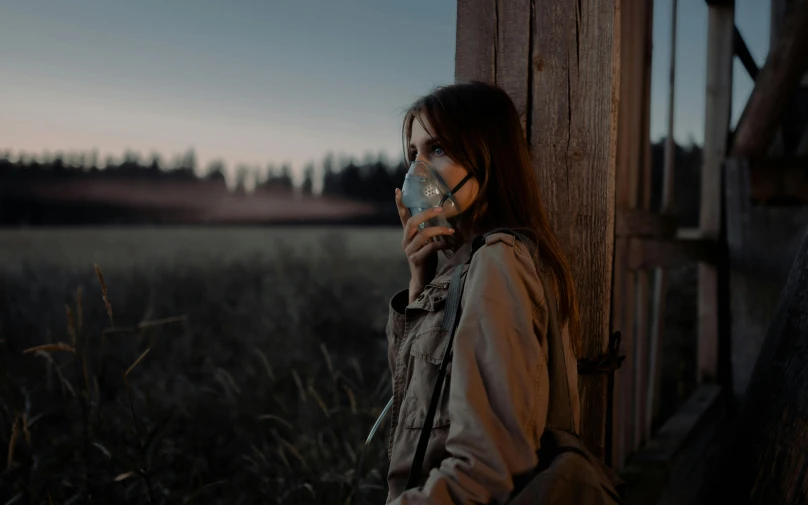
point(427, 143)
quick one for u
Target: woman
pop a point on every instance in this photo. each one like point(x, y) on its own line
point(494, 404)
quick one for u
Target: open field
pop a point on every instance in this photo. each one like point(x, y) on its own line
point(266, 363)
point(255, 356)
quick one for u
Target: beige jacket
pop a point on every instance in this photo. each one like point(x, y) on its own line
point(494, 404)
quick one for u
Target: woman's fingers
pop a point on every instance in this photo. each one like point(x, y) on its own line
point(403, 213)
point(418, 244)
point(424, 238)
point(421, 255)
point(411, 228)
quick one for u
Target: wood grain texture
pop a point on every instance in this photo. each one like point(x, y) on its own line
point(576, 53)
point(475, 54)
point(513, 52)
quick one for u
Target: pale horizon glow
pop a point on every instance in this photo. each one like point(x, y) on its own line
point(262, 83)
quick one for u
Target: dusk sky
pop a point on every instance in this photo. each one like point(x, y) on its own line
point(270, 81)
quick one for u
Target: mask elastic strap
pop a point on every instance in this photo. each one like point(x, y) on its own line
point(454, 190)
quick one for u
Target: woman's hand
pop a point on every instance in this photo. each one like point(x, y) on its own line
point(419, 246)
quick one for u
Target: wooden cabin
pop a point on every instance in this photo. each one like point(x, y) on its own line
point(579, 73)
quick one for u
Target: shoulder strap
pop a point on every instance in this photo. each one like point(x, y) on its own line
point(449, 325)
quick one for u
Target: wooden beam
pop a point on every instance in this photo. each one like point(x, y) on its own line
point(717, 114)
point(675, 445)
point(779, 181)
point(637, 223)
point(697, 455)
point(720, 27)
point(576, 57)
point(777, 14)
point(642, 314)
point(623, 286)
point(622, 300)
point(475, 54)
point(642, 333)
point(776, 17)
point(775, 87)
point(669, 253)
point(632, 195)
point(672, 436)
point(646, 254)
point(743, 54)
point(764, 460)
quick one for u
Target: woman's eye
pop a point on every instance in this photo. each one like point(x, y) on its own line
point(438, 151)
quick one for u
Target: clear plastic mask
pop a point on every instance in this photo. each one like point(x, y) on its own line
point(424, 188)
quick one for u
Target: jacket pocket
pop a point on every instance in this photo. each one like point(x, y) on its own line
point(425, 357)
point(432, 299)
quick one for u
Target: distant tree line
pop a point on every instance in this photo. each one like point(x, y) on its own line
point(372, 180)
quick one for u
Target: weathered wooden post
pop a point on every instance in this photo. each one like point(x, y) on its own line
point(559, 61)
point(720, 32)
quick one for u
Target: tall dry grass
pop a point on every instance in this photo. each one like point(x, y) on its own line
point(252, 381)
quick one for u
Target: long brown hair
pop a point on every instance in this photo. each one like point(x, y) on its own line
point(478, 127)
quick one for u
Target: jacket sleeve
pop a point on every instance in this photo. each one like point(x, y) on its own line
point(499, 387)
point(395, 325)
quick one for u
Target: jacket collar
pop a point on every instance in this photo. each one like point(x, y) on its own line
point(447, 264)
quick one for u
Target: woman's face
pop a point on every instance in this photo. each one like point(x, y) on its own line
point(423, 147)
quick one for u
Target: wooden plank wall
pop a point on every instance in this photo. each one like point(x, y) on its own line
point(763, 242)
point(761, 231)
point(567, 81)
point(763, 459)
